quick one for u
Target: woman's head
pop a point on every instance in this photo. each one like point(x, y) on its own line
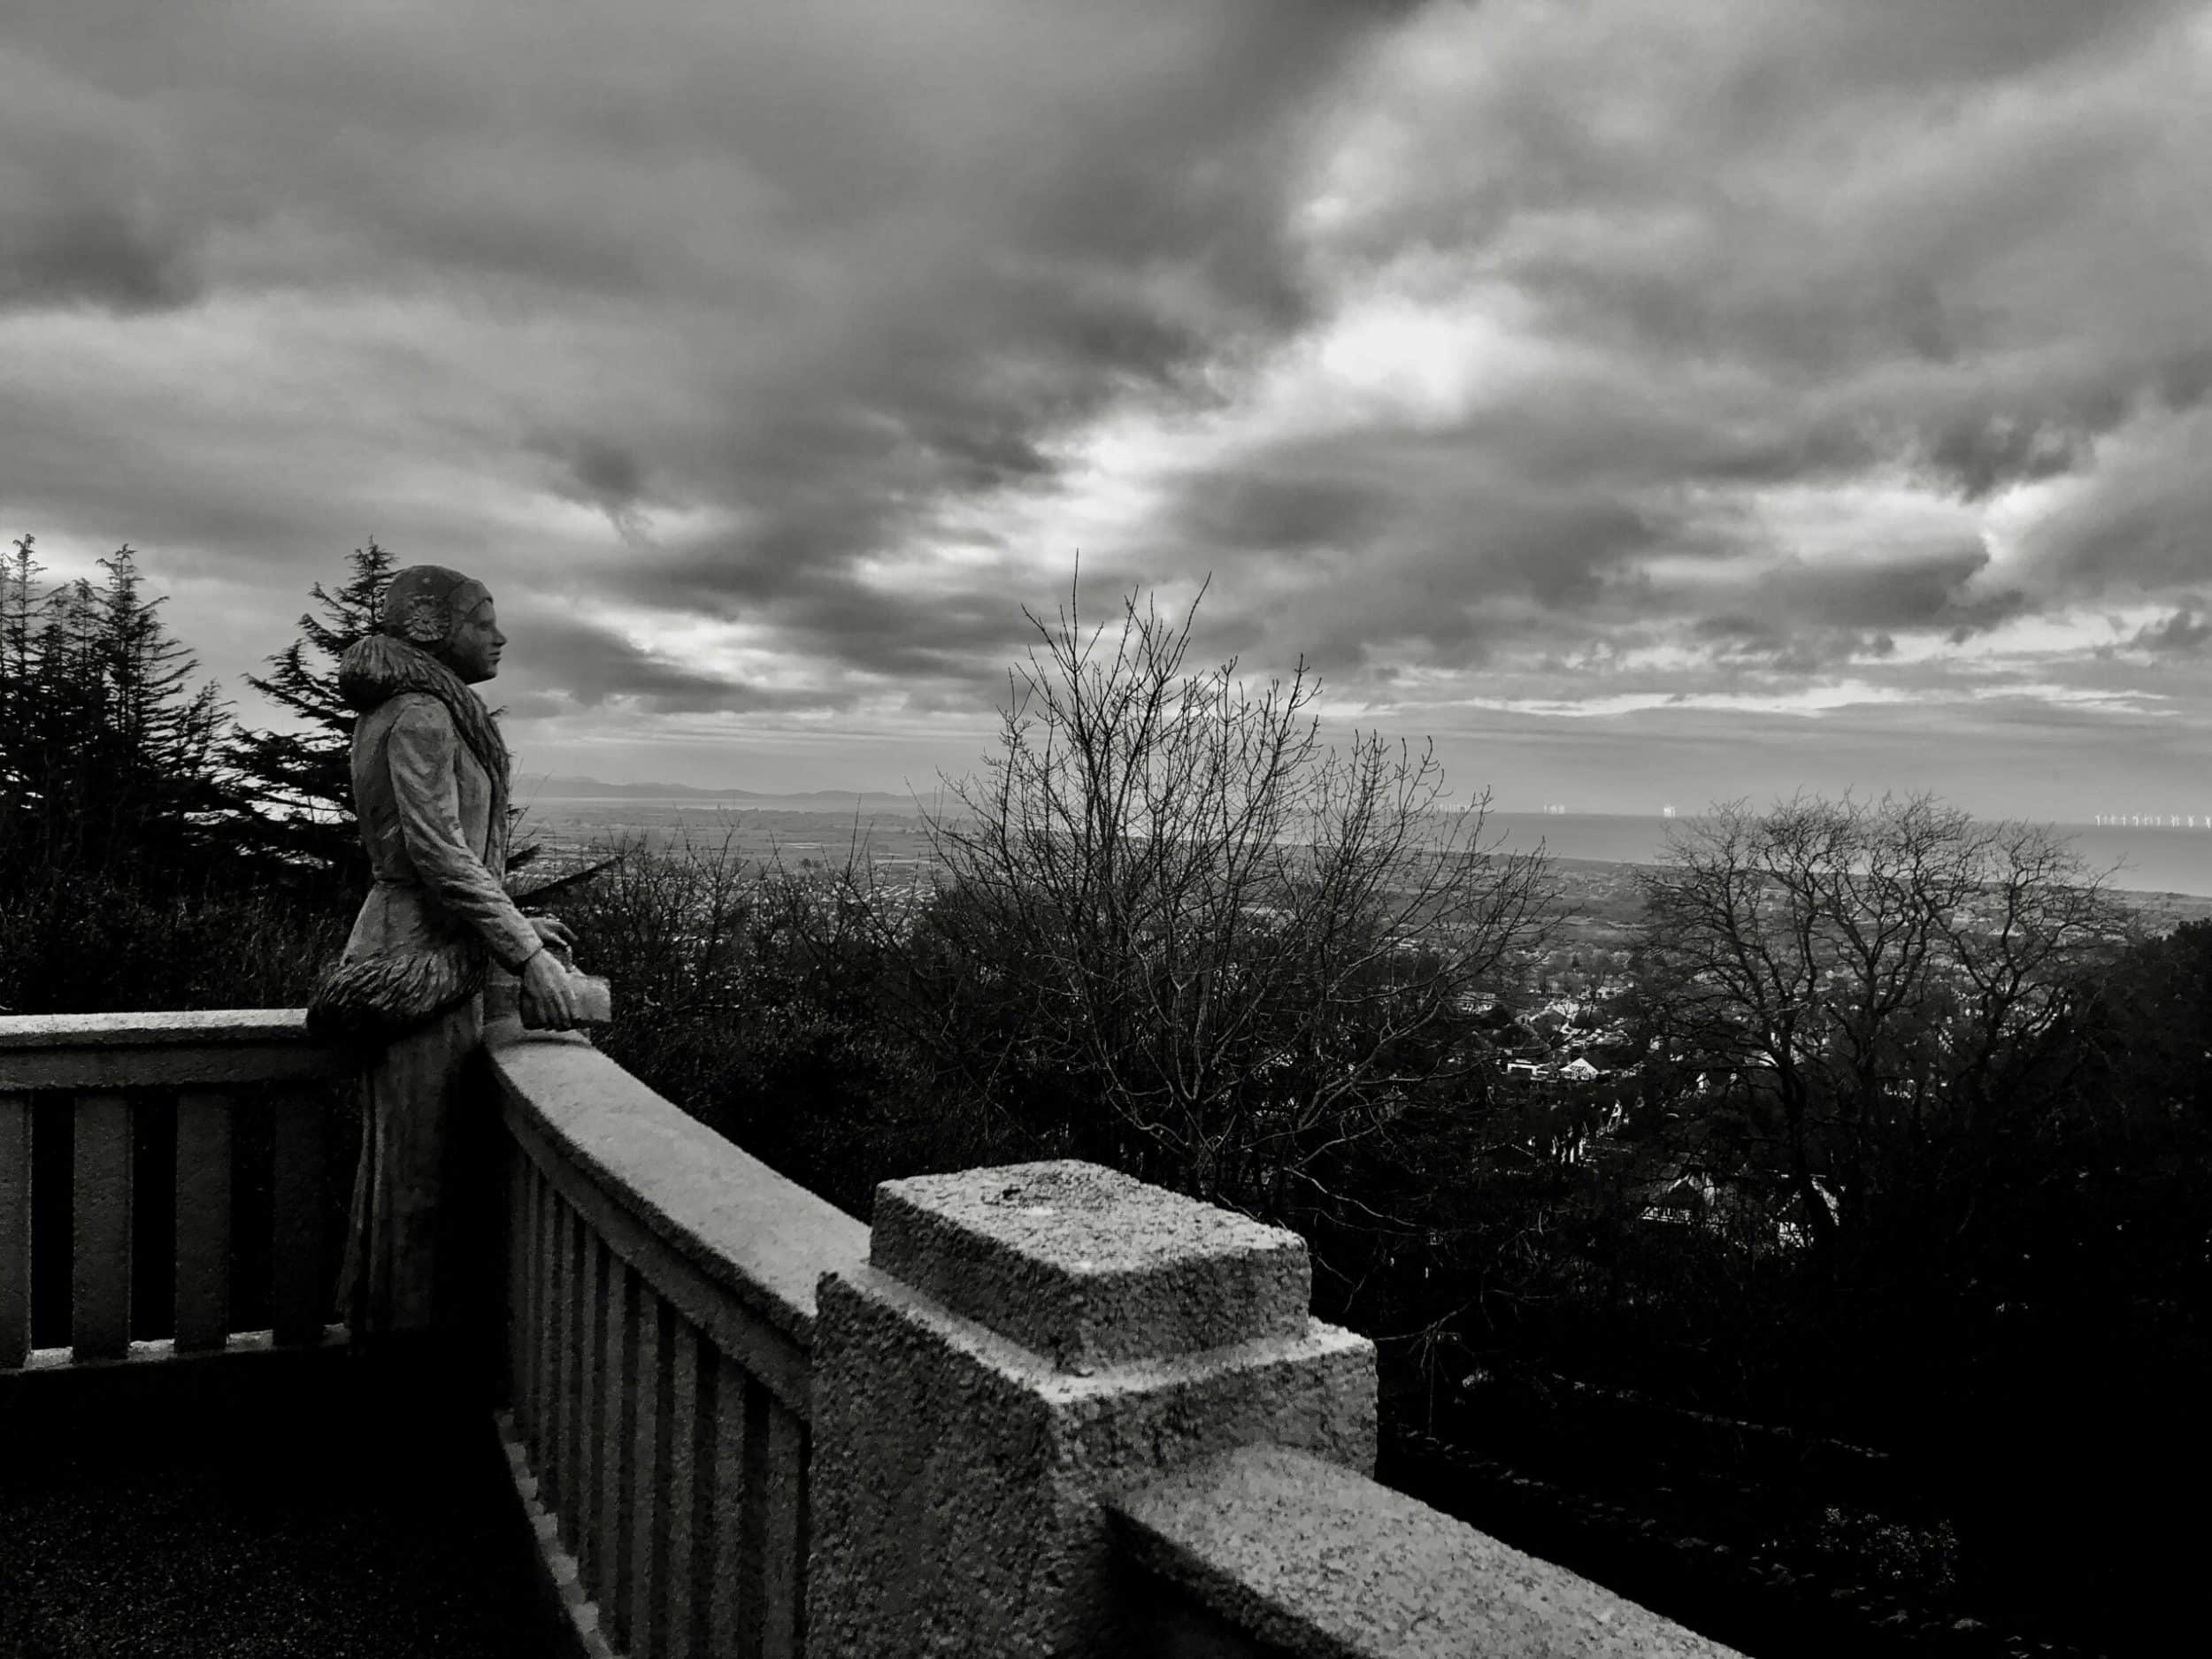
point(446, 614)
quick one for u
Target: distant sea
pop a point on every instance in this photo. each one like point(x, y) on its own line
point(2160, 860)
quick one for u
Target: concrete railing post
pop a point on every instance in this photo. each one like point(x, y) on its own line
point(1024, 1341)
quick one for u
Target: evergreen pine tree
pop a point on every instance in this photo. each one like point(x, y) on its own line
point(20, 605)
point(22, 611)
point(300, 782)
point(108, 757)
point(157, 776)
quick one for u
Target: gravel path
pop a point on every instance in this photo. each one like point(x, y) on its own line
point(269, 1540)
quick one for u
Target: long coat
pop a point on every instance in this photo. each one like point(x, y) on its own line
point(425, 802)
point(422, 1227)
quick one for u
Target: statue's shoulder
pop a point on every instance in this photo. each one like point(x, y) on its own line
point(411, 715)
point(418, 705)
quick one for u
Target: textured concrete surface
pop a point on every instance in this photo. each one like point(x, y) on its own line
point(197, 1025)
point(211, 1046)
point(1310, 1558)
point(957, 1473)
point(1088, 1266)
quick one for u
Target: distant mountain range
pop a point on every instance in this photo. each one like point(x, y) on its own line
point(549, 787)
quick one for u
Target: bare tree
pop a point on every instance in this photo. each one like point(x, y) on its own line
point(1239, 949)
point(1886, 984)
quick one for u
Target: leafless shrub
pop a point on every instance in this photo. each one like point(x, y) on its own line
point(1234, 951)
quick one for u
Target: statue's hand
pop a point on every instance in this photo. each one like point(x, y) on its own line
point(549, 1001)
point(555, 936)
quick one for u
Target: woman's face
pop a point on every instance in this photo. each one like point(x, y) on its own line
point(473, 652)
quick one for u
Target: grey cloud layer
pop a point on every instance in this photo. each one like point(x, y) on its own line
point(816, 273)
point(709, 312)
point(1938, 245)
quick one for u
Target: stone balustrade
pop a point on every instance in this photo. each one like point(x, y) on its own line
point(113, 1083)
point(1043, 1410)
point(661, 1298)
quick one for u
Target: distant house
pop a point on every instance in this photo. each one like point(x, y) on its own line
point(1687, 1200)
point(1714, 1202)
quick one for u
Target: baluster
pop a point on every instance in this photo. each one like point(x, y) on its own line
point(299, 1286)
point(15, 1230)
point(690, 1490)
point(575, 1352)
point(552, 1314)
point(100, 1269)
point(649, 1458)
point(732, 1563)
point(783, 1533)
point(553, 1294)
point(517, 1344)
point(203, 1135)
point(529, 1256)
point(591, 1398)
point(618, 1409)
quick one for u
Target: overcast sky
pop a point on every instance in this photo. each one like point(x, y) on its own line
point(1655, 401)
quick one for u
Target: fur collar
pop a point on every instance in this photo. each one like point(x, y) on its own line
point(377, 668)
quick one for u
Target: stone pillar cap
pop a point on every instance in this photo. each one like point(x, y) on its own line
point(1088, 1267)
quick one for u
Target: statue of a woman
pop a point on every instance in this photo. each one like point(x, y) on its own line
point(430, 786)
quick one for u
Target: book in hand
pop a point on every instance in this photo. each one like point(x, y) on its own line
point(591, 996)
point(594, 998)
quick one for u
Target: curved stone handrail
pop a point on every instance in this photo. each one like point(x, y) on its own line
point(693, 1201)
point(40, 1052)
point(661, 1297)
point(204, 1025)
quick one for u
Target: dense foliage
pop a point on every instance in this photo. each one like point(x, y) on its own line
point(128, 882)
point(1881, 995)
point(108, 755)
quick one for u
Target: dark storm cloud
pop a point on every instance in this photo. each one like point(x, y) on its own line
point(589, 666)
point(600, 473)
point(946, 630)
point(608, 473)
point(1737, 640)
point(93, 253)
point(1259, 512)
point(1892, 592)
point(1980, 454)
point(1389, 538)
point(84, 219)
point(2183, 634)
point(2142, 525)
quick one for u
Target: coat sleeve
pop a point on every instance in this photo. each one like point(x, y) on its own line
point(422, 749)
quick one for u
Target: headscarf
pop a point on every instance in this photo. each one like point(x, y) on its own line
point(421, 607)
